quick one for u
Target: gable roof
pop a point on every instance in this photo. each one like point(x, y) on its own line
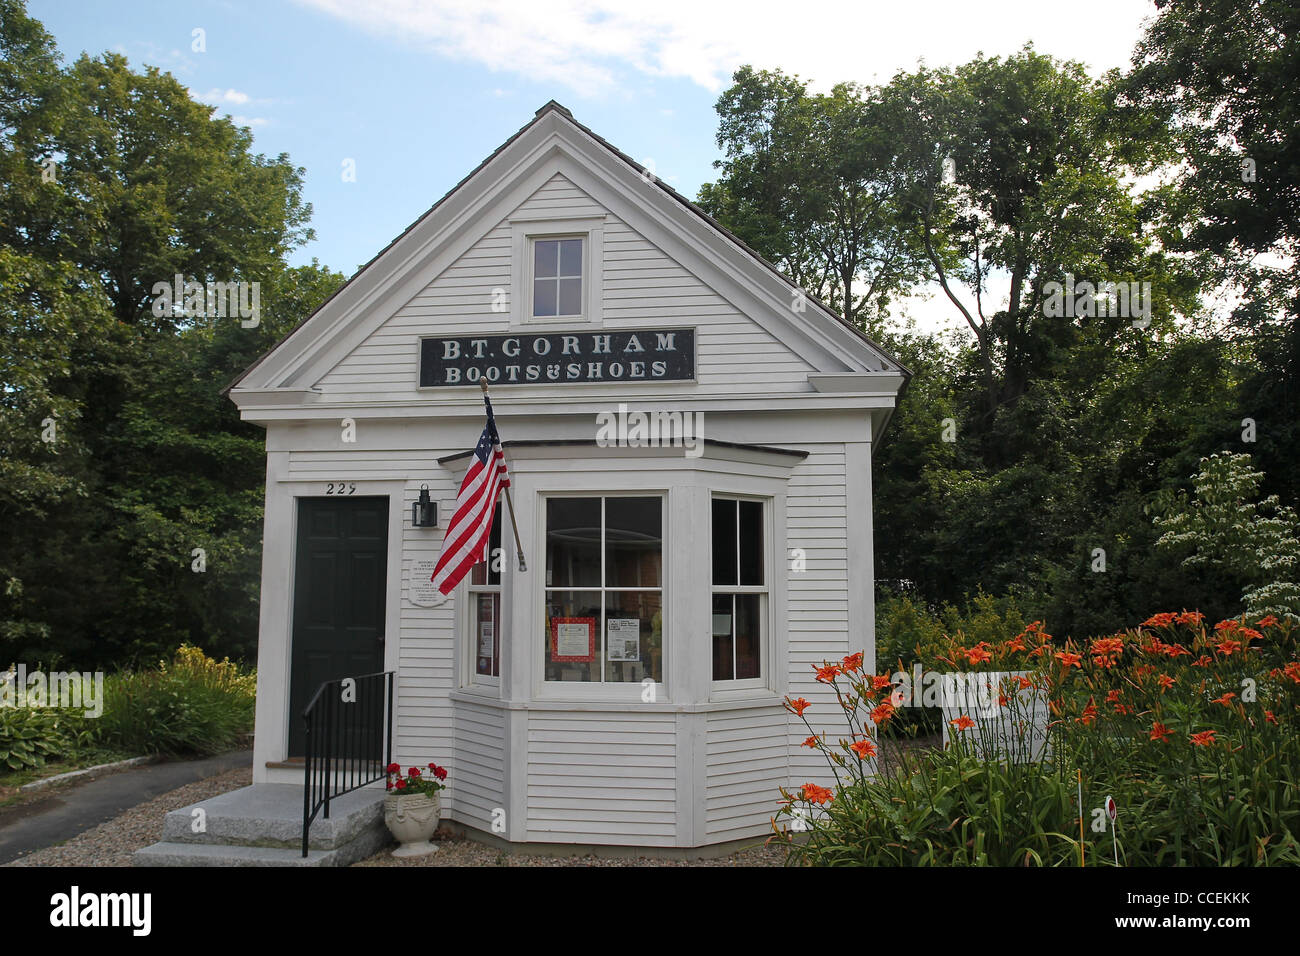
point(552, 108)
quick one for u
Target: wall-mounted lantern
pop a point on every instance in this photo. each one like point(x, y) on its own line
point(424, 513)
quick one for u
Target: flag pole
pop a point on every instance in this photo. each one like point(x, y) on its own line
point(510, 504)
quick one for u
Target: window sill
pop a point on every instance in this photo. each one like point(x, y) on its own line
point(750, 701)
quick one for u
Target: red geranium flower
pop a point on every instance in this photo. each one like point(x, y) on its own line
point(401, 784)
point(394, 768)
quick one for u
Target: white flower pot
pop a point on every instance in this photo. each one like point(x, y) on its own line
point(411, 819)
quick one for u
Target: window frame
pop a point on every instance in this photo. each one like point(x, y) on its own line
point(602, 689)
point(765, 591)
point(471, 592)
point(525, 233)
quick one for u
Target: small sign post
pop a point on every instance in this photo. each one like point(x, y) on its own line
point(1112, 811)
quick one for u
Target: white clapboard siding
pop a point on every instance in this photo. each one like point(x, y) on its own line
point(642, 288)
point(748, 759)
point(480, 764)
point(602, 778)
point(818, 601)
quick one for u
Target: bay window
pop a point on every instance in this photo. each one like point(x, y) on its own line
point(604, 611)
point(740, 589)
point(485, 608)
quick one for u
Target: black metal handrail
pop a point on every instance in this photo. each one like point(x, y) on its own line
point(349, 741)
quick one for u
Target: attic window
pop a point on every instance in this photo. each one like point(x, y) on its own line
point(555, 268)
point(557, 277)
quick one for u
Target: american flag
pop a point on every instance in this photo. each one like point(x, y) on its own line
point(467, 535)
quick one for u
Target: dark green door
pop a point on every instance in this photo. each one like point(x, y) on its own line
point(340, 580)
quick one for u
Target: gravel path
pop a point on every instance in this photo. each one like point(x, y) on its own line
point(452, 852)
point(113, 842)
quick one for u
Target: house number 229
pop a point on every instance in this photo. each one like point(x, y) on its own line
point(341, 488)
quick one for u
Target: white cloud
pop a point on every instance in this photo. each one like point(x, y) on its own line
point(586, 44)
point(253, 121)
point(220, 97)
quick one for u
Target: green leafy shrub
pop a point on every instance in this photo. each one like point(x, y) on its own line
point(192, 705)
point(30, 736)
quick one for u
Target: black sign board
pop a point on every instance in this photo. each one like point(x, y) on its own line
point(523, 358)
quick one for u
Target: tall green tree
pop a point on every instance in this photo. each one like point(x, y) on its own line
point(120, 181)
point(805, 180)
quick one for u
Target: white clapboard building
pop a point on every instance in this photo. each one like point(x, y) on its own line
point(690, 446)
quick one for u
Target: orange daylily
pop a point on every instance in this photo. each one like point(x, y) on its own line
point(1068, 659)
point(796, 707)
point(1204, 739)
point(811, 742)
point(863, 748)
point(962, 723)
point(1160, 732)
point(828, 673)
point(815, 794)
point(852, 663)
point(1225, 700)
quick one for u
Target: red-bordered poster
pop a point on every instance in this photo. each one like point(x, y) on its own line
point(568, 636)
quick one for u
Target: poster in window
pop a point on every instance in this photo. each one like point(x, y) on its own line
point(623, 638)
point(486, 639)
point(573, 638)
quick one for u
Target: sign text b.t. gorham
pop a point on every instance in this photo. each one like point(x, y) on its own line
point(642, 355)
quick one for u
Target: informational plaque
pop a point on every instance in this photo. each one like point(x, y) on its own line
point(623, 638)
point(573, 638)
point(420, 588)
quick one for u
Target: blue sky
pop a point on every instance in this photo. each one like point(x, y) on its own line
point(418, 92)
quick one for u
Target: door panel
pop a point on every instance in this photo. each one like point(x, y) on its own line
point(340, 587)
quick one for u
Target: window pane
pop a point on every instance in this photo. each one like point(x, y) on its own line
point(724, 541)
point(570, 257)
point(633, 542)
point(751, 542)
point(487, 634)
point(747, 628)
point(633, 636)
point(723, 668)
point(489, 571)
point(544, 297)
point(546, 255)
point(572, 635)
point(570, 297)
point(573, 542)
